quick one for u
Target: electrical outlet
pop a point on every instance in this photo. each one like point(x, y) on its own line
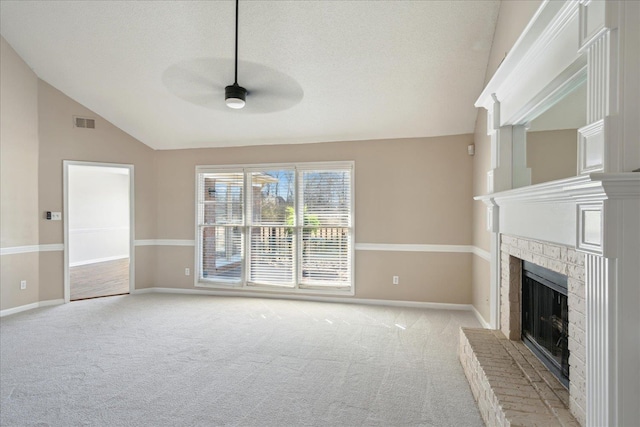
point(396, 280)
point(23, 284)
point(187, 271)
point(56, 216)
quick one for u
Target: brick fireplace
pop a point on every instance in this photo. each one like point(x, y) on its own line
point(585, 227)
point(563, 260)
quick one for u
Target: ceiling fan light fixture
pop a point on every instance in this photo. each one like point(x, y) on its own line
point(235, 96)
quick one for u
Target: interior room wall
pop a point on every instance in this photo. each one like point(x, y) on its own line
point(408, 191)
point(60, 140)
point(18, 179)
point(98, 214)
point(513, 17)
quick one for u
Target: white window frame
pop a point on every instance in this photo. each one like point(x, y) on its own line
point(243, 284)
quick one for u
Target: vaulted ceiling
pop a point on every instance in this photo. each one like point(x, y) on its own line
point(315, 70)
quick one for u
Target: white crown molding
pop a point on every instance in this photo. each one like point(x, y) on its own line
point(546, 26)
point(53, 247)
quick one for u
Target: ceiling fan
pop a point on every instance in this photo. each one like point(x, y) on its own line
point(198, 81)
point(235, 95)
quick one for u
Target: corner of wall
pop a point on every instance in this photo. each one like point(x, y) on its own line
point(19, 211)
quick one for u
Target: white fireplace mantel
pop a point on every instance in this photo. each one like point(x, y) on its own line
point(594, 187)
point(597, 212)
point(570, 211)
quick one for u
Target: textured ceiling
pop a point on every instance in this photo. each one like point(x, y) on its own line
point(316, 70)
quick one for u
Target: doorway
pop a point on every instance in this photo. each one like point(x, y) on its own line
point(98, 227)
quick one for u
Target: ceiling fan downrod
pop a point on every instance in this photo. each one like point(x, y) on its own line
point(235, 95)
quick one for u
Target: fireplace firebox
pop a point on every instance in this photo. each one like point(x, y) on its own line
point(545, 318)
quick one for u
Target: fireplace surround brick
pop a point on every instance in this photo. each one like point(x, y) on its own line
point(563, 260)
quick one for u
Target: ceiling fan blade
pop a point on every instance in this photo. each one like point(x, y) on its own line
point(193, 80)
point(202, 81)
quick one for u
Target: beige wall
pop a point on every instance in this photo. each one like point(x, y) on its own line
point(513, 17)
point(18, 178)
point(552, 154)
point(407, 191)
point(60, 140)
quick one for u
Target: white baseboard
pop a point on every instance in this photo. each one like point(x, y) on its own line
point(483, 322)
point(31, 306)
point(97, 260)
point(343, 300)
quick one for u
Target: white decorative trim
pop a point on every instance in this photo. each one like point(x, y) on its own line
point(525, 68)
point(164, 242)
point(53, 247)
point(97, 229)
point(591, 29)
point(31, 306)
point(591, 148)
point(481, 320)
point(590, 219)
point(600, 343)
point(341, 300)
point(66, 164)
point(97, 260)
point(593, 187)
point(486, 255)
point(393, 247)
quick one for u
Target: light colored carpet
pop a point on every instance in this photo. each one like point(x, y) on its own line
point(181, 360)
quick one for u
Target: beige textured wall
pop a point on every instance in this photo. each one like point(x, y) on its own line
point(60, 140)
point(18, 178)
point(552, 154)
point(407, 191)
point(513, 17)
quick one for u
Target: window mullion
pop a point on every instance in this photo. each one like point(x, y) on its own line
point(247, 221)
point(299, 206)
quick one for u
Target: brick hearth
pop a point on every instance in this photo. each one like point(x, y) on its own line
point(512, 387)
point(494, 391)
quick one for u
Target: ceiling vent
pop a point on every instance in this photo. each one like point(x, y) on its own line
point(84, 122)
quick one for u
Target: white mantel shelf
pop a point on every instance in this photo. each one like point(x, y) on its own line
point(597, 212)
point(594, 187)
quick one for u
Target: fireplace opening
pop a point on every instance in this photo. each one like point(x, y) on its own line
point(545, 318)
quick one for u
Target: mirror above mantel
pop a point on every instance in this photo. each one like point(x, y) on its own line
point(551, 139)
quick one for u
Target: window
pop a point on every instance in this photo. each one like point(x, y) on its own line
point(284, 226)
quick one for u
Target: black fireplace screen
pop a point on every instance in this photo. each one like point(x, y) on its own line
point(545, 318)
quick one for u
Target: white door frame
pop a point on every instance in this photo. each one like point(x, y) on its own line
point(66, 164)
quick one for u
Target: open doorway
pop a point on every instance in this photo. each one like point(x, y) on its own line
point(98, 229)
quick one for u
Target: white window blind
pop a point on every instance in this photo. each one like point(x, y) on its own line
point(287, 226)
point(326, 227)
point(220, 223)
point(272, 239)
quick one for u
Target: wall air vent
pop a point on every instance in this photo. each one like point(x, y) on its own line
point(84, 122)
